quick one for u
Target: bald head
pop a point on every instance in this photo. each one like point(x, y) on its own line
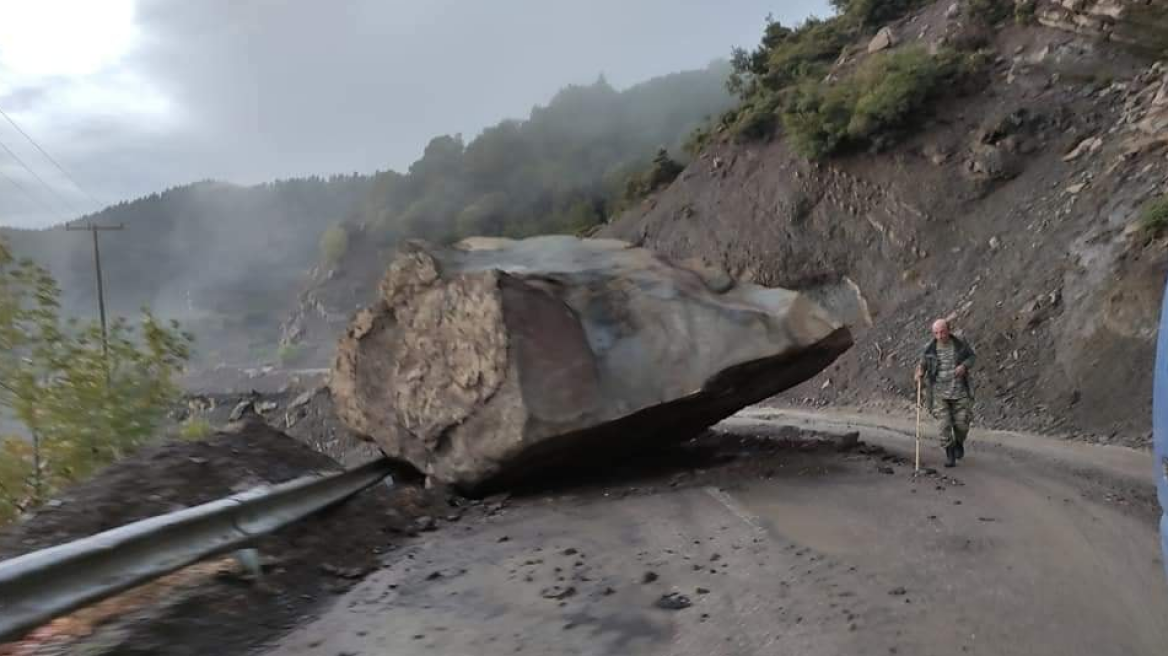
point(941, 330)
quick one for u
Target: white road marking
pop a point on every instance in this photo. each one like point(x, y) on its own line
point(723, 497)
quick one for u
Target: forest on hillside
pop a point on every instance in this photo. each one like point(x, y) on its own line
point(565, 168)
point(228, 260)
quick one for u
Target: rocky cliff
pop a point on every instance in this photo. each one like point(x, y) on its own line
point(1013, 209)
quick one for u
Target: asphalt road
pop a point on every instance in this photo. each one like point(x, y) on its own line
point(1030, 547)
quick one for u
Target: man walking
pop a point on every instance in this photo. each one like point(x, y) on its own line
point(944, 366)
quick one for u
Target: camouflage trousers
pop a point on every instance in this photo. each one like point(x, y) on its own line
point(953, 419)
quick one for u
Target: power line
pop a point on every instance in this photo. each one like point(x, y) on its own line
point(35, 199)
point(52, 192)
point(49, 157)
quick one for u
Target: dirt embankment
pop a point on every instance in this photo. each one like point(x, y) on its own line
point(304, 565)
point(1011, 209)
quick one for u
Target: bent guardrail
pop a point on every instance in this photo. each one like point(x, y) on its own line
point(39, 586)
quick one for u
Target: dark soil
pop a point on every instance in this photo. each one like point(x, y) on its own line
point(306, 563)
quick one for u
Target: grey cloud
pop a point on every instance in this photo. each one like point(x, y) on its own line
point(277, 88)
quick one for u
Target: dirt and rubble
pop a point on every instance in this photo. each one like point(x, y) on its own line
point(305, 412)
point(304, 565)
point(768, 539)
point(752, 537)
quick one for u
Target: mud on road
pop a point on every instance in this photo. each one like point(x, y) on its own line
point(775, 533)
point(758, 541)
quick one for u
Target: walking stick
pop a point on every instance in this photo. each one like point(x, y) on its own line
point(918, 460)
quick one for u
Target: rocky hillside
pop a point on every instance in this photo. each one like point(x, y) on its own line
point(1013, 205)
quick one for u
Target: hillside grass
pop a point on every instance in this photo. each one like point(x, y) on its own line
point(790, 82)
point(871, 107)
point(1153, 220)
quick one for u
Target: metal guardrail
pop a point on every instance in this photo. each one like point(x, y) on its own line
point(39, 586)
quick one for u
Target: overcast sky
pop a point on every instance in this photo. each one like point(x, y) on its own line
point(132, 97)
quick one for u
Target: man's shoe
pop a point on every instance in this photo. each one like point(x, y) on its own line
point(950, 456)
point(960, 451)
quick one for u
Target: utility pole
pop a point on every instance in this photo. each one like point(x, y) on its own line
point(93, 229)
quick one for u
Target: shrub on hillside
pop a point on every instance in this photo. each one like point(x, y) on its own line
point(989, 12)
point(786, 56)
point(1025, 12)
point(757, 118)
point(289, 353)
point(873, 13)
point(789, 63)
point(697, 140)
point(661, 173)
point(195, 429)
point(334, 243)
point(868, 107)
point(1154, 216)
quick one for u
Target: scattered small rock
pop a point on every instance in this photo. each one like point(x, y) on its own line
point(886, 470)
point(898, 591)
point(702, 591)
point(848, 441)
point(570, 551)
point(649, 577)
point(673, 601)
point(344, 572)
point(557, 592)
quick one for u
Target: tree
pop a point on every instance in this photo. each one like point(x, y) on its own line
point(16, 478)
point(334, 243)
point(83, 405)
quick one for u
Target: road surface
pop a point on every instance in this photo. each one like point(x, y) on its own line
point(1031, 547)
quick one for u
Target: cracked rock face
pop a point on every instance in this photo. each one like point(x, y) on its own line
point(497, 360)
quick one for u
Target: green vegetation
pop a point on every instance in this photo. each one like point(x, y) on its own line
point(565, 169)
point(83, 405)
point(785, 81)
point(16, 481)
point(874, 13)
point(334, 243)
point(1025, 12)
point(660, 174)
point(1154, 216)
point(1146, 28)
point(288, 353)
point(867, 107)
point(195, 429)
point(992, 12)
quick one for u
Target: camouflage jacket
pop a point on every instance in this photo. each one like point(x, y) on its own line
point(963, 355)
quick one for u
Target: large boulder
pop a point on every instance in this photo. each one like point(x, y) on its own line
point(496, 360)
